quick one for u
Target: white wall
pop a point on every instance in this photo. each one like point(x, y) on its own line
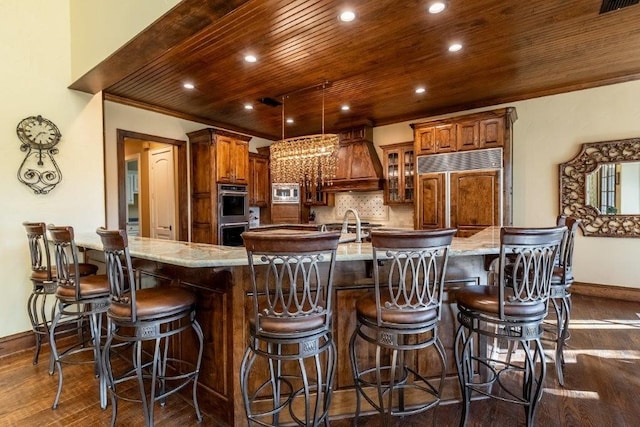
point(99, 27)
point(33, 80)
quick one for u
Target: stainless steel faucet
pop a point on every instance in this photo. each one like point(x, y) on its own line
point(345, 222)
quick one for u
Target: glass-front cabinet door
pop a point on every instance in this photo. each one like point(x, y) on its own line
point(399, 168)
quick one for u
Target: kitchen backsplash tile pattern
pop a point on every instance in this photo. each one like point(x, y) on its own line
point(370, 207)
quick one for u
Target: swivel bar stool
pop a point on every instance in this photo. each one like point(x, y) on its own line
point(513, 311)
point(78, 297)
point(400, 320)
point(139, 316)
point(560, 295)
point(290, 331)
point(44, 279)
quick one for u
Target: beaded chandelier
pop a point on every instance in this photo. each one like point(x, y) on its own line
point(309, 158)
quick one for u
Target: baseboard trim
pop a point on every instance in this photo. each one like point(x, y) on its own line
point(17, 343)
point(606, 291)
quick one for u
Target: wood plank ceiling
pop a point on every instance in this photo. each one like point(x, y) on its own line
point(512, 50)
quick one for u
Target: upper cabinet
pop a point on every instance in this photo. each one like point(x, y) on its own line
point(232, 159)
point(399, 169)
point(258, 180)
point(470, 132)
point(314, 194)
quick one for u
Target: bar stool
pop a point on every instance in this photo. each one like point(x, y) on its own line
point(290, 330)
point(399, 317)
point(43, 278)
point(560, 295)
point(139, 316)
point(513, 311)
point(78, 297)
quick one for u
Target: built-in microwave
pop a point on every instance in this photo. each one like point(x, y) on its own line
point(285, 193)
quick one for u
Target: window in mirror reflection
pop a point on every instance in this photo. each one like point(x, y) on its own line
point(614, 188)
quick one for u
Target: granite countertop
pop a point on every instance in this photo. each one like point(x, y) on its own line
point(196, 255)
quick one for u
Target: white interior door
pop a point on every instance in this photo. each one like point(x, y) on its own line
point(162, 204)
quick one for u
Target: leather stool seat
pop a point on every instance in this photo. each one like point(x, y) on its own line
point(90, 287)
point(366, 308)
point(152, 303)
point(486, 299)
point(86, 269)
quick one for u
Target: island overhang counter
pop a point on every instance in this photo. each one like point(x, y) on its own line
point(219, 276)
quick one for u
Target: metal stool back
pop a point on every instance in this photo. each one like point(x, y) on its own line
point(512, 311)
point(137, 316)
point(401, 315)
point(290, 329)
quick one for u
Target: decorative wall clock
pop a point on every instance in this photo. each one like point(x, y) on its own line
point(39, 170)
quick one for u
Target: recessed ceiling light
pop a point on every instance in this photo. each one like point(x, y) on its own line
point(289, 120)
point(420, 90)
point(455, 47)
point(436, 7)
point(188, 86)
point(250, 58)
point(347, 16)
point(248, 107)
point(345, 107)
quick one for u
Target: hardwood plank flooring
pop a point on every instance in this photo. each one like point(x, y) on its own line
point(601, 376)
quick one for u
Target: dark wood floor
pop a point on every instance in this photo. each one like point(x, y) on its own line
point(602, 378)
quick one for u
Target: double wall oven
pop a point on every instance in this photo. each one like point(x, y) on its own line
point(233, 214)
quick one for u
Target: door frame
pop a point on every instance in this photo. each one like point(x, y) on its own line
point(182, 188)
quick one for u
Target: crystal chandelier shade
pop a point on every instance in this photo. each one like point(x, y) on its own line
point(310, 158)
point(305, 159)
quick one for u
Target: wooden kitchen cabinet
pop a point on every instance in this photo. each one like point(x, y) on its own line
point(259, 185)
point(469, 187)
point(399, 169)
point(432, 198)
point(487, 129)
point(475, 201)
point(433, 139)
point(232, 159)
point(211, 150)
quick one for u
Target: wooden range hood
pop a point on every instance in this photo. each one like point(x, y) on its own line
point(358, 164)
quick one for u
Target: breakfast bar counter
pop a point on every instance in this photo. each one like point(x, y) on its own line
point(219, 276)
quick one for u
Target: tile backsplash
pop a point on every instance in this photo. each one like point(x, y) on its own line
point(370, 207)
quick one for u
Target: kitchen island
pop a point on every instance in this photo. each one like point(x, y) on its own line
point(219, 276)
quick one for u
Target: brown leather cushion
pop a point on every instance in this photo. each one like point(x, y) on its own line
point(155, 302)
point(290, 324)
point(90, 287)
point(366, 307)
point(486, 299)
point(85, 270)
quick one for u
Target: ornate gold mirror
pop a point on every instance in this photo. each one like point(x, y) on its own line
point(601, 186)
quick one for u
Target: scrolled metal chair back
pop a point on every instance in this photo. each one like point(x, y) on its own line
point(66, 257)
point(417, 261)
point(527, 259)
point(122, 282)
point(292, 276)
point(39, 248)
